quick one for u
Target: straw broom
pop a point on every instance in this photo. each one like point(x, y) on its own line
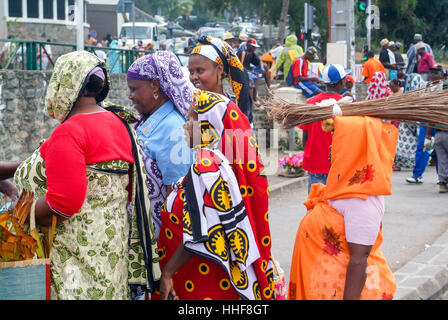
point(422, 105)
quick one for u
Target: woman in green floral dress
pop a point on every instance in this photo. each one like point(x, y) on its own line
point(82, 175)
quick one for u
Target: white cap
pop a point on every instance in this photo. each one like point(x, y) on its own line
point(333, 73)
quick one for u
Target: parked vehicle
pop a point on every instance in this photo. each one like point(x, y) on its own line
point(178, 31)
point(211, 32)
point(145, 31)
point(252, 31)
point(225, 25)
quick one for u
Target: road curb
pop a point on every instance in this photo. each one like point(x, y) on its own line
point(283, 186)
point(425, 277)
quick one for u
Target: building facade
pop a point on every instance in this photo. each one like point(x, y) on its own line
point(41, 20)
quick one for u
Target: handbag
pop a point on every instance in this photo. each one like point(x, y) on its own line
point(280, 291)
point(28, 279)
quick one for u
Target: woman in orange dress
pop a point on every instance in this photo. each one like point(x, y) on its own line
point(337, 251)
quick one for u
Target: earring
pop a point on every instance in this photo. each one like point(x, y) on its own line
point(156, 95)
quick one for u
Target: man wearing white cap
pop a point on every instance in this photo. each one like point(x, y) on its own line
point(316, 141)
point(412, 54)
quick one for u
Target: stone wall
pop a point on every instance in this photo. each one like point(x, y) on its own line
point(23, 122)
point(62, 33)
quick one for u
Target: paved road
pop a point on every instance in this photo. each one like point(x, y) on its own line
point(416, 215)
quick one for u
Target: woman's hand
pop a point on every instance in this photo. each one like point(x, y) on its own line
point(167, 287)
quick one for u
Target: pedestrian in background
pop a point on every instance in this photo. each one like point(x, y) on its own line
point(395, 48)
point(316, 141)
point(423, 135)
point(413, 55)
point(441, 148)
point(425, 61)
point(371, 66)
point(348, 89)
point(387, 58)
point(253, 65)
point(378, 87)
point(291, 51)
point(113, 61)
point(170, 27)
point(300, 69)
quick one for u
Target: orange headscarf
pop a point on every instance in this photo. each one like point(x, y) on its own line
point(362, 155)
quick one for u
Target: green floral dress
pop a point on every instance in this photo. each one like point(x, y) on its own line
point(110, 243)
point(97, 253)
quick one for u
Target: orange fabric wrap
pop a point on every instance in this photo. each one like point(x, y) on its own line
point(362, 155)
point(321, 256)
point(363, 152)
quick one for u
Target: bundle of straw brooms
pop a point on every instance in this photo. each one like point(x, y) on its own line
point(424, 106)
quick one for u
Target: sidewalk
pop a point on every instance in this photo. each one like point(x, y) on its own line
point(424, 277)
point(279, 184)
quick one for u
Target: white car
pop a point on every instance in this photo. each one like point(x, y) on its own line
point(145, 31)
point(219, 33)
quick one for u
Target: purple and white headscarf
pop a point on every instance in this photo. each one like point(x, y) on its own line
point(164, 66)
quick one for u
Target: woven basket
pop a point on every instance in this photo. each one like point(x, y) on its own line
point(27, 279)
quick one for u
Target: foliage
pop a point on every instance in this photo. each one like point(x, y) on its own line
point(171, 9)
point(400, 19)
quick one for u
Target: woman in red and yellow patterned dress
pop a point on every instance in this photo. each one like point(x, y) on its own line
point(215, 240)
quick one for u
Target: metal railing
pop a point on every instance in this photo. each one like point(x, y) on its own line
point(38, 55)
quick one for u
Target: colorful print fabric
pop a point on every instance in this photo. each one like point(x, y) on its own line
point(164, 66)
point(67, 80)
point(378, 87)
point(204, 221)
point(321, 255)
point(221, 53)
point(89, 257)
point(408, 133)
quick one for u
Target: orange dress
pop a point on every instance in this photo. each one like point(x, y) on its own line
point(363, 152)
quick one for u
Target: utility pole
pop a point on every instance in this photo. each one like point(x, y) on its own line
point(305, 8)
point(79, 17)
point(369, 25)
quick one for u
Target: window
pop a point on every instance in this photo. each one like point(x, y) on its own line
point(14, 8)
point(32, 8)
point(48, 9)
point(61, 9)
point(71, 10)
